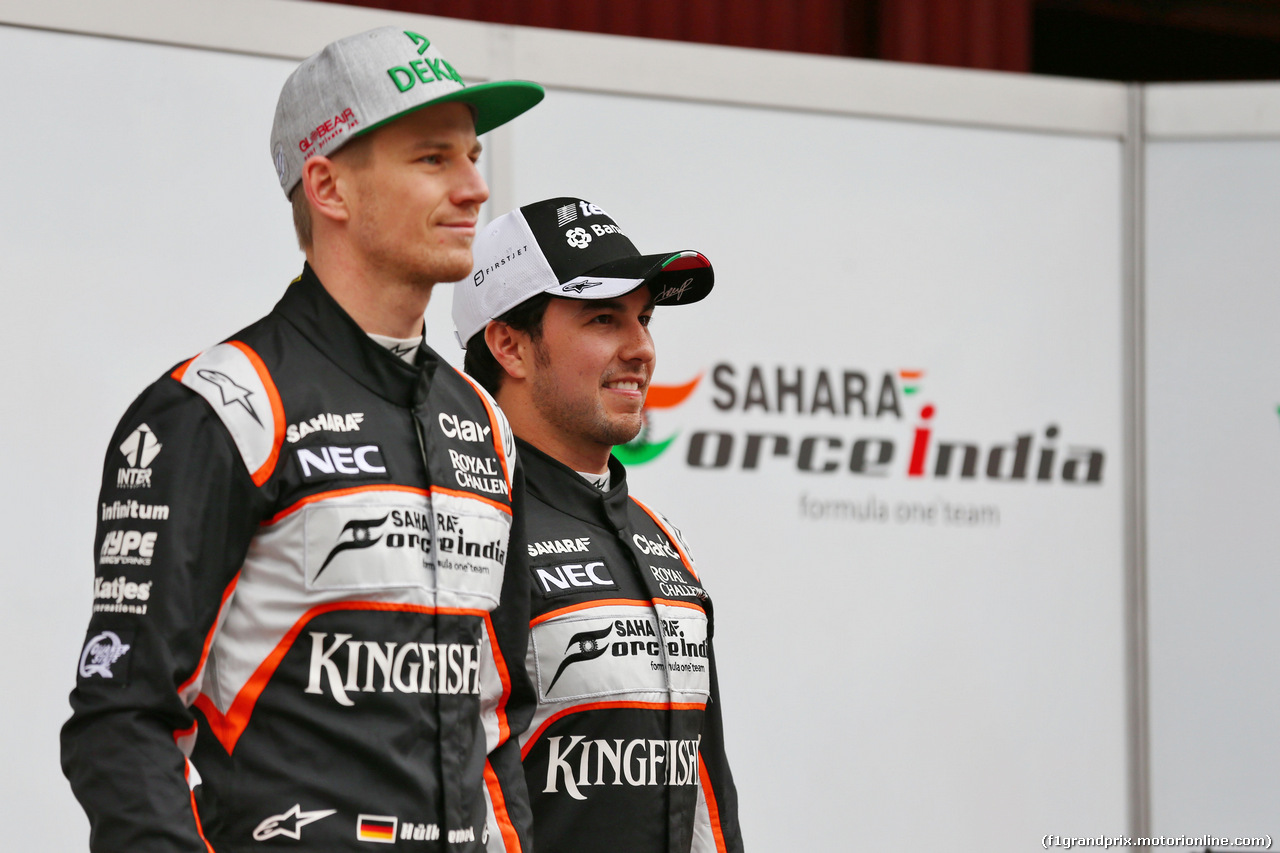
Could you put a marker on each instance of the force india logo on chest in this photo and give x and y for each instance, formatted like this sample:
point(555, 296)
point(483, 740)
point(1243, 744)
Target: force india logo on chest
point(346, 665)
point(636, 638)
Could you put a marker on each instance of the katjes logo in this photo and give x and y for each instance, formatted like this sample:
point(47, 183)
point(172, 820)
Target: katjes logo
point(640, 449)
point(837, 396)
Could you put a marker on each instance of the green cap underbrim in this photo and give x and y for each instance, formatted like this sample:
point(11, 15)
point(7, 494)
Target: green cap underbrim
point(495, 103)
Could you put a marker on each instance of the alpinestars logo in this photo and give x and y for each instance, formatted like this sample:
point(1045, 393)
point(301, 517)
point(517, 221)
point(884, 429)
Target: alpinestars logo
point(579, 286)
point(578, 238)
point(589, 648)
point(289, 824)
point(641, 449)
point(139, 449)
point(231, 392)
point(357, 533)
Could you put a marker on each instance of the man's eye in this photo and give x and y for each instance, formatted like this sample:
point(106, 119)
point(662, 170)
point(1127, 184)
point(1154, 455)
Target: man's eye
point(433, 159)
point(646, 319)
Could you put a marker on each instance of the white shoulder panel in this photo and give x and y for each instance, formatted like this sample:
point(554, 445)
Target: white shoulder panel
point(244, 398)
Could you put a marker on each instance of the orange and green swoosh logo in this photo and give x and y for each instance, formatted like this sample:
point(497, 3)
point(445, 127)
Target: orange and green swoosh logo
point(640, 450)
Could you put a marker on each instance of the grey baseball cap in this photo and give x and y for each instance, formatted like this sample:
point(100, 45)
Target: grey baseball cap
point(362, 82)
point(571, 248)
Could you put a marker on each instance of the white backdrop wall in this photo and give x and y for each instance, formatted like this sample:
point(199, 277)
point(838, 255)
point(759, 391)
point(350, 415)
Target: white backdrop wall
point(1213, 449)
point(908, 661)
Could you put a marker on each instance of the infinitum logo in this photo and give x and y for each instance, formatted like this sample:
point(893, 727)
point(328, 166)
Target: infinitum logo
point(640, 449)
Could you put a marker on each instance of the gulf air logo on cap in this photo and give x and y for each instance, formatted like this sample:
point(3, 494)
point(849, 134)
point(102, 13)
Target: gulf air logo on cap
point(640, 449)
point(426, 70)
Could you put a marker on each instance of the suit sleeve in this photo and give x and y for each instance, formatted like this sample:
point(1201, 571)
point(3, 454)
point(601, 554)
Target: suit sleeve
point(716, 828)
point(510, 818)
point(177, 511)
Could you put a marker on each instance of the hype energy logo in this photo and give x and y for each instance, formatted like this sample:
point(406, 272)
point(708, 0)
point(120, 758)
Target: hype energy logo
point(640, 449)
point(852, 422)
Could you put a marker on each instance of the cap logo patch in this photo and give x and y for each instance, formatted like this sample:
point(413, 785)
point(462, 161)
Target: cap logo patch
point(578, 238)
point(565, 215)
point(326, 132)
point(282, 165)
point(579, 286)
point(674, 294)
point(420, 40)
point(427, 70)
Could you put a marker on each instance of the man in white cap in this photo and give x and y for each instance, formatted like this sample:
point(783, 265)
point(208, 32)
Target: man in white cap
point(626, 750)
point(307, 530)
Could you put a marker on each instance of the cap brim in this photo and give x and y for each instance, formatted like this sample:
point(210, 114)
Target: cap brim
point(676, 278)
point(495, 103)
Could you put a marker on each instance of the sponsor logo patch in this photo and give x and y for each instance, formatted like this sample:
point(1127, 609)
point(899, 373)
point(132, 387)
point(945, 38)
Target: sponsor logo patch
point(321, 463)
point(566, 214)
point(578, 238)
point(572, 578)
point(127, 547)
point(578, 763)
point(132, 509)
point(140, 449)
point(368, 547)
point(462, 429)
point(232, 394)
point(102, 654)
point(289, 824)
point(597, 656)
point(477, 473)
point(560, 546)
point(118, 595)
point(324, 422)
point(344, 665)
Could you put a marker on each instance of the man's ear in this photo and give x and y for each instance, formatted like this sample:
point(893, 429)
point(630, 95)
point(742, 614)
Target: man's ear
point(512, 349)
point(320, 181)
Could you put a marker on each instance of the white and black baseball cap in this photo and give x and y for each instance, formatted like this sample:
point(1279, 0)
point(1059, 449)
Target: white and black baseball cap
point(362, 82)
point(571, 248)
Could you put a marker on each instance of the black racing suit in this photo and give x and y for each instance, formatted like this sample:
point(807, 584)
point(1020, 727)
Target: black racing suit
point(296, 640)
point(626, 750)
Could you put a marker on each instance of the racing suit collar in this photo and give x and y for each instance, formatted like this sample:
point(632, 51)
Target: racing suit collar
point(558, 485)
point(309, 307)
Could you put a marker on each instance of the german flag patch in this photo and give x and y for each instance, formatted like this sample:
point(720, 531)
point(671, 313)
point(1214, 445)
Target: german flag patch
point(376, 827)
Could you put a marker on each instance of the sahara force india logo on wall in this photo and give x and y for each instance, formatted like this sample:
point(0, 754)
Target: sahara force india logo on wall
point(895, 437)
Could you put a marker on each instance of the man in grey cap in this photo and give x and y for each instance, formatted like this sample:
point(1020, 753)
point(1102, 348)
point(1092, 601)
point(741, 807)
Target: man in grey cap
point(311, 598)
point(626, 750)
